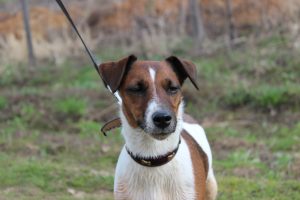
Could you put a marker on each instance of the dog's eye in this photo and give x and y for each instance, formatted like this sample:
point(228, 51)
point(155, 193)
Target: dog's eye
point(172, 89)
point(138, 89)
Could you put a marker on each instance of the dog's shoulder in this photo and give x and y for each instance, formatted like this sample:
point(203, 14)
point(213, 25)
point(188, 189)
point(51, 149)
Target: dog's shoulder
point(189, 119)
point(198, 155)
point(193, 134)
point(192, 129)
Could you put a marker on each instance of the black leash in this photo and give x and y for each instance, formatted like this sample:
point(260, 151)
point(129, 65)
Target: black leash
point(61, 5)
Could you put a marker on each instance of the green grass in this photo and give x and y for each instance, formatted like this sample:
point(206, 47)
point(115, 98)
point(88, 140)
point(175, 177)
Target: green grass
point(240, 188)
point(88, 127)
point(50, 176)
point(71, 106)
point(240, 158)
point(265, 96)
point(50, 119)
point(28, 112)
point(287, 139)
point(3, 102)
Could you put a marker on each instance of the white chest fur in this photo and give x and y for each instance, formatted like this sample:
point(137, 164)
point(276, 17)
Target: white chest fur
point(172, 181)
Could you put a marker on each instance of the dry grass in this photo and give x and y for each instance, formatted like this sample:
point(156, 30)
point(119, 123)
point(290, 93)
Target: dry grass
point(145, 27)
point(61, 46)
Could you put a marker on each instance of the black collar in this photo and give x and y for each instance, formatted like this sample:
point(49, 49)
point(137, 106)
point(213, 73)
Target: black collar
point(154, 161)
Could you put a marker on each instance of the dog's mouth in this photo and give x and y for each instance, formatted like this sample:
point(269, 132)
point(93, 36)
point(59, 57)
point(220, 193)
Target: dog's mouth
point(157, 133)
point(160, 136)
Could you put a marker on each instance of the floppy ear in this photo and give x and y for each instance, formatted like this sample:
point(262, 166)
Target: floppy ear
point(184, 69)
point(112, 73)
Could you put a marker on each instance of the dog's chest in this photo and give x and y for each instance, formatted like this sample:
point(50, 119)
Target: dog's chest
point(172, 181)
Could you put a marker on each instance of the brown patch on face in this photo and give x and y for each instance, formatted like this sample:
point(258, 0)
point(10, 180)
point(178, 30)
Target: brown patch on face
point(137, 90)
point(166, 77)
point(200, 165)
point(134, 104)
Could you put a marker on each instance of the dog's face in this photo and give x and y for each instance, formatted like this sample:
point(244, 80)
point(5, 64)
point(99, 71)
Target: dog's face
point(151, 96)
point(150, 91)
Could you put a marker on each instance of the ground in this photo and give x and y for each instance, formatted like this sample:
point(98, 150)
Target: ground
point(248, 103)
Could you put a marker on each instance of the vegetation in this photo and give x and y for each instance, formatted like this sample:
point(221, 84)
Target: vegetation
point(248, 103)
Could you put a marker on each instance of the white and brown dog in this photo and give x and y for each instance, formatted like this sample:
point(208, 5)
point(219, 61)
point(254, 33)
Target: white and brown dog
point(166, 155)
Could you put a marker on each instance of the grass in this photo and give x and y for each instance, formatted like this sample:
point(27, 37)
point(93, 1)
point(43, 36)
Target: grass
point(3, 102)
point(71, 106)
point(287, 139)
point(239, 188)
point(50, 177)
point(265, 96)
point(248, 103)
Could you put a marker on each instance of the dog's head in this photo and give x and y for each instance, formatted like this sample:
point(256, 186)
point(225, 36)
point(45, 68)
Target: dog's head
point(150, 91)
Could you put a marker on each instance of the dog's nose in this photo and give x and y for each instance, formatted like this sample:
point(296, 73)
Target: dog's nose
point(161, 119)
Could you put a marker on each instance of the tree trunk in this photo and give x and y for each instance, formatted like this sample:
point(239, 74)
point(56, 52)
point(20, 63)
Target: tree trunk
point(26, 18)
point(230, 23)
point(196, 27)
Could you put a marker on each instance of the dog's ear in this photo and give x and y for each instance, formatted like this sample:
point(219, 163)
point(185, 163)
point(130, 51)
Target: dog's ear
point(184, 69)
point(112, 73)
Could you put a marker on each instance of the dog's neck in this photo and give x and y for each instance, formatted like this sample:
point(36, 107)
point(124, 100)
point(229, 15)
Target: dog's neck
point(143, 145)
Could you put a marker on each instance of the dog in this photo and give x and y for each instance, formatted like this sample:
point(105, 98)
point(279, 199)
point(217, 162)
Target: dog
point(166, 155)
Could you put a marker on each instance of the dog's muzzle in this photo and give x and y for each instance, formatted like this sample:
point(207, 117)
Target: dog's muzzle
point(161, 119)
point(161, 124)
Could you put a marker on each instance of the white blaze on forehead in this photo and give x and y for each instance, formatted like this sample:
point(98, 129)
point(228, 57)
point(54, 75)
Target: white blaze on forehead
point(152, 73)
point(153, 105)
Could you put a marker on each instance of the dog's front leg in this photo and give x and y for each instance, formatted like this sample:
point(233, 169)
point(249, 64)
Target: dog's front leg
point(120, 192)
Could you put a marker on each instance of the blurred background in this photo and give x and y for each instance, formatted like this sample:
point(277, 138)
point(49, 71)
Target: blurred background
point(52, 102)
